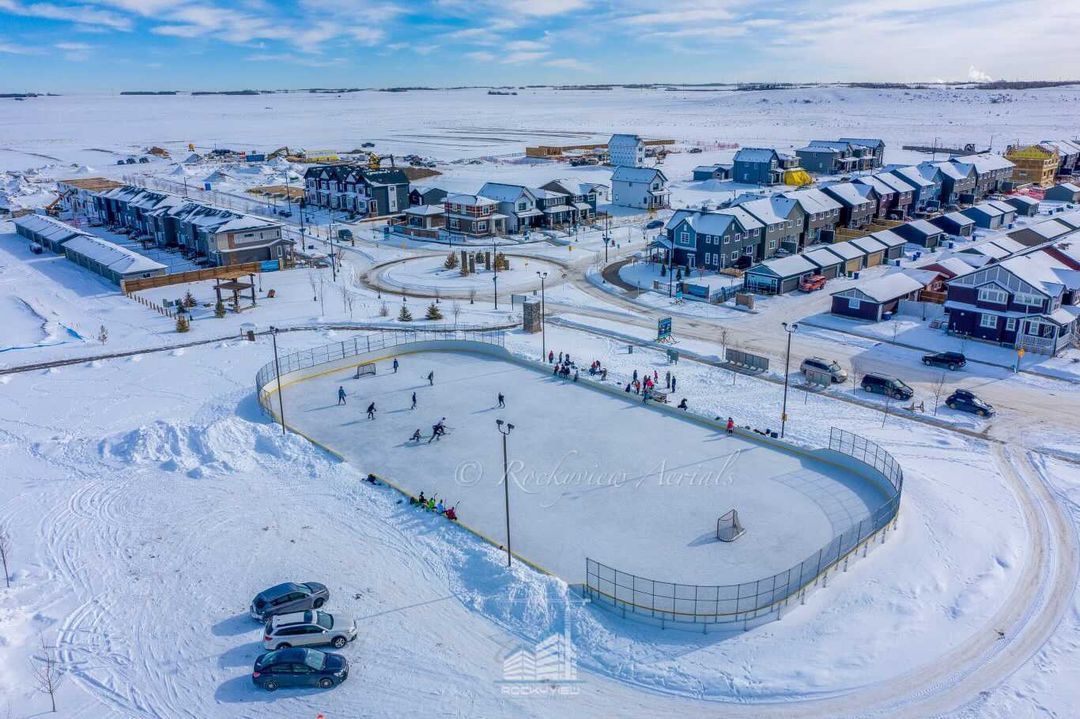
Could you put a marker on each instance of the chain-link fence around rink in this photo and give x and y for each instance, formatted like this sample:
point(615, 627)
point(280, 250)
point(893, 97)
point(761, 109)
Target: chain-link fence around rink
point(751, 603)
point(375, 340)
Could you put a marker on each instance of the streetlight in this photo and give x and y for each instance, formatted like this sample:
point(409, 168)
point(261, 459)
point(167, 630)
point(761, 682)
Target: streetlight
point(543, 317)
point(790, 329)
point(670, 258)
point(506, 484)
point(277, 371)
point(495, 279)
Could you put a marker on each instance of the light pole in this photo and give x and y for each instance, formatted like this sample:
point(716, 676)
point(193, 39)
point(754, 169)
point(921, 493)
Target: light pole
point(495, 279)
point(330, 239)
point(277, 371)
point(506, 484)
point(790, 329)
point(543, 318)
point(670, 257)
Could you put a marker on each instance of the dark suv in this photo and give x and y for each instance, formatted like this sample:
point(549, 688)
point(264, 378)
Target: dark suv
point(964, 401)
point(952, 360)
point(299, 667)
point(888, 386)
point(288, 597)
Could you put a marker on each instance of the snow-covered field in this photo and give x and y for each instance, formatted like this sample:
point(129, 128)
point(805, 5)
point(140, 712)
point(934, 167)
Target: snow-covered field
point(147, 498)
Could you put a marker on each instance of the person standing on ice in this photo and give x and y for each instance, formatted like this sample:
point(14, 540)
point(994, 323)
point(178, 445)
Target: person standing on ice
point(551, 356)
point(341, 396)
point(415, 436)
point(730, 426)
point(413, 401)
point(371, 411)
point(395, 365)
point(672, 383)
point(431, 378)
point(667, 380)
point(502, 400)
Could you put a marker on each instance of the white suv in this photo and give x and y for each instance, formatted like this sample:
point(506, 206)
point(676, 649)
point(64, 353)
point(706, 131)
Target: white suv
point(824, 366)
point(309, 628)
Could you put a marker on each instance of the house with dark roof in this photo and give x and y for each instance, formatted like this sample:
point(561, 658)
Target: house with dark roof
point(835, 157)
point(421, 195)
point(958, 181)
point(1040, 233)
point(642, 187)
point(876, 147)
point(711, 172)
point(357, 189)
point(783, 220)
point(762, 166)
point(583, 196)
point(821, 213)
point(992, 172)
point(778, 275)
point(922, 233)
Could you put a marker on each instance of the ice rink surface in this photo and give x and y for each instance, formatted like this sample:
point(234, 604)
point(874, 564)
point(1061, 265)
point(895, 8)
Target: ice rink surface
point(590, 474)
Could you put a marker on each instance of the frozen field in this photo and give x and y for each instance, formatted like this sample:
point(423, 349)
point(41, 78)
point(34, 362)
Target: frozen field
point(590, 474)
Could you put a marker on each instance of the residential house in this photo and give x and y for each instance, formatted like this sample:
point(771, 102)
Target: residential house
point(1065, 192)
point(77, 195)
point(713, 240)
point(955, 224)
point(763, 166)
point(712, 172)
point(873, 250)
point(1026, 301)
point(837, 157)
point(1034, 164)
point(925, 184)
point(876, 147)
point(425, 219)
point(473, 215)
point(854, 258)
point(640, 187)
point(922, 233)
point(778, 275)
point(583, 196)
point(1069, 152)
point(626, 151)
point(357, 189)
point(1025, 206)
point(423, 195)
point(992, 172)
point(557, 208)
point(958, 180)
point(783, 219)
point(875, 298)
point(858, 203)
point(894, 243)
point(821, 214)
point(905, 194)
point(517, 202)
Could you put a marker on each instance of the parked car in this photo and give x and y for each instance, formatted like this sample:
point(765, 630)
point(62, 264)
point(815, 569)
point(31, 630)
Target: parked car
point(652, 225)
point(965, 401)
point(888, 386)
point(299, 667)
point(744, 262)
point(952, 360)
point(813, 283)
point(695, 150)
point(310, 628)
point(288, 597)
point(36, 248)
point(368, 144)
point(817, 364)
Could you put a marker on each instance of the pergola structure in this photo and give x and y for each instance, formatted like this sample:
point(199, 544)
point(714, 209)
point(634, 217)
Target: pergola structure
point(236, 286)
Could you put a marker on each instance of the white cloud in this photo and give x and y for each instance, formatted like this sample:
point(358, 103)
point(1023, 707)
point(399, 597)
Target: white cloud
point(569, 63)
point(480, 56)
point(977, 75)
point(10, 49)
point(69, 13)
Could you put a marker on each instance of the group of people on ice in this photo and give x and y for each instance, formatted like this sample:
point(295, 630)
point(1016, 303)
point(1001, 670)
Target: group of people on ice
point(430, 504)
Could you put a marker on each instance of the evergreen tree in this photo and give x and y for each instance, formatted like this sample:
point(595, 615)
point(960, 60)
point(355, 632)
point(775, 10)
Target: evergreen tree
point(404, 315)
point(433, 312)
point(451, 261)
point(189, 300)
point(219, 309)
point(183, 324)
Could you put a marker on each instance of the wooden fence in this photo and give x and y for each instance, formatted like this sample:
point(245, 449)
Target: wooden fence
point(227, 272)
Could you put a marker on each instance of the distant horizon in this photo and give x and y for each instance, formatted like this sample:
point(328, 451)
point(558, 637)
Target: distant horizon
point(67, 46)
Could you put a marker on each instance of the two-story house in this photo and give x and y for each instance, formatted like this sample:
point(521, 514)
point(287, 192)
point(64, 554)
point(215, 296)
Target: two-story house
point(876, 147)
point(1025, 301)
point(992, 172)
point(821, 213)
point(713, 240)
point(858, 203)
point(757, 166)
point(957, 182)
point(473, 215)
point(517, 203)
point(835, 157)
point(642, 187)
point(626, 150)
point(583, 196)
point(357, 189)
point(887, 196)
point(783, 218)
point(1034, 164)
point(925, 181)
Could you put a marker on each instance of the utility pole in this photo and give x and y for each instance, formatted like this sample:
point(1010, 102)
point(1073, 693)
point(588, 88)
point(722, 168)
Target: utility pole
point(277, 371)
point(506, 483)
point(790, 329)
point(543, 318)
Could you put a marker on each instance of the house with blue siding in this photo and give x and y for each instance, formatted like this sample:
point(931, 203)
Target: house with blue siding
point(783, 219)
point(762, 166)
point(992, 172)
point(836, 157)
point(713, 240)
point(821, 214)
point(876, 147)
point(711, 172)
point(955, 224)
point(957, 182)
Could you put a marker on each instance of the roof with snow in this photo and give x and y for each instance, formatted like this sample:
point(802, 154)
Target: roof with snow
point(986, 162)
point(119, 259)
point(504, 192)
point(952, 266)
point(871, 142)
point(770, 210)
point(846, 250)
point(868, 244)
point(885, 289)
point(821, 257)
point(847, 194)
point(756, 154)
point(889, 238)
point(790, 266)
point(814, 200)
point(637, 174)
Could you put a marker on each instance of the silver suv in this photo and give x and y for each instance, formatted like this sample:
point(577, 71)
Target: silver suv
point(288, 597)
point(310, 628)
point(824, 366)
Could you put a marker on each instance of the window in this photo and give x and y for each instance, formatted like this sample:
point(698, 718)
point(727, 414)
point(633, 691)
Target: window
point(772, 244)
point(854, 303)
point(993, 294)
point(481, 226)
point(1010, 324)
point(989, 322)
point(735, 255)
point(1028, 299)
point(738, 236)
point(684, 237)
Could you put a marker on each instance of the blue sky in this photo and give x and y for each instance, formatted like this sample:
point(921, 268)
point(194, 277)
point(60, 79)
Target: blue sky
point(111, 45)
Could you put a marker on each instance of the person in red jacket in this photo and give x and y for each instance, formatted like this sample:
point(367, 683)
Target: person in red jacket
point(730, 426)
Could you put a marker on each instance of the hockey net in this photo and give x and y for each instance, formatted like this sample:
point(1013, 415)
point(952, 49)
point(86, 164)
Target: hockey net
point(728, 527)
point(365, 369)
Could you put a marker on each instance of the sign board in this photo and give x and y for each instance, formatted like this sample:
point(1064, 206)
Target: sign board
point(269, 266)
point(746, 360)
point(516, 299)
point(206, 186)
point(817, 377)
point(663, 329)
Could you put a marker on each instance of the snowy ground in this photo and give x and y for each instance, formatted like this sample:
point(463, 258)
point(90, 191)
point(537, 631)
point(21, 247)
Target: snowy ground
point(669, 478)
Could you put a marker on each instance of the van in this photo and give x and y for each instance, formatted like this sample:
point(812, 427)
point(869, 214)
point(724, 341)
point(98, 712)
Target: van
point(888, 386)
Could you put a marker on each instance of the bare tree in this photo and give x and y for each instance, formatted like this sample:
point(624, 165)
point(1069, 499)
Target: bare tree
point(455, 309)
point(47, 673)
point(854, 376)
point(723, 341)
point(313, 280)
point(384, 309)
point(939, 389)
point(103, 335)
point(322, 294)
point(472, 296)
point(5, 552)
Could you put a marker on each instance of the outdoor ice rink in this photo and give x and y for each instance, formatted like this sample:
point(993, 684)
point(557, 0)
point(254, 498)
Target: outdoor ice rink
point(591, 475)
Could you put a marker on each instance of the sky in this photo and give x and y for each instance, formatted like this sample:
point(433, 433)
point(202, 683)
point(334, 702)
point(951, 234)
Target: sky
point(113, 45)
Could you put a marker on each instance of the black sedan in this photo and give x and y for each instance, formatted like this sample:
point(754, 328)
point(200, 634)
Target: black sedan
point(654, 224)
point(952, 360)
point(299, 667)
point(964, 401)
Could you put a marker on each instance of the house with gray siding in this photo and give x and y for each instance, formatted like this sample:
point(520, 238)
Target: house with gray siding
point(858, 203)
point(713, 240)
point(642, 187)
point(783, 219)
point(876, 147)
point(992, 172)
point(836, 157)
point(762, 166)
point(957, 183)
point(872, 299)
point(821, 214)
